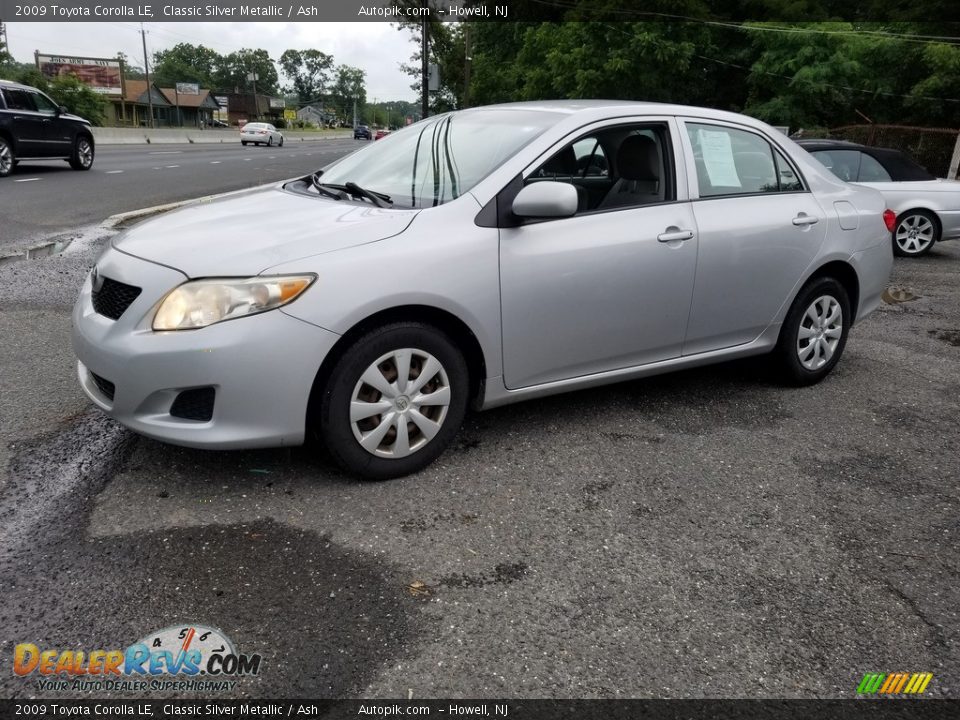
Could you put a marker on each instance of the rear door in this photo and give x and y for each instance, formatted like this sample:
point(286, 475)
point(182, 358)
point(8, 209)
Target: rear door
point(26, 121)
point(759, 230)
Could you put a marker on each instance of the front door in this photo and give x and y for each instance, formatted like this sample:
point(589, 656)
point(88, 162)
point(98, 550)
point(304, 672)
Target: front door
point(610, 287)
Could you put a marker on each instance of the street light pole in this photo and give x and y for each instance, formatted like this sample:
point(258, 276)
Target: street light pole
point(146, 72)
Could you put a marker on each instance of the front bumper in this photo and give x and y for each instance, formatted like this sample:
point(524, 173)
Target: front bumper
point(261, 367)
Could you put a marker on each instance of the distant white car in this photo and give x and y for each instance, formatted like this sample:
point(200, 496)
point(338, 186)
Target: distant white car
point(261, 133)
point(927, 207)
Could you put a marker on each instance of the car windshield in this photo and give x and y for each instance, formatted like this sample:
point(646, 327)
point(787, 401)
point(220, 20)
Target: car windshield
point(438, 159)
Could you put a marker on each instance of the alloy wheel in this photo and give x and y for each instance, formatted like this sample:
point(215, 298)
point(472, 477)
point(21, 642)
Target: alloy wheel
point(84, 153)
point(400, 403)
point(915, 234)
point(820, 331)
point(6, 159)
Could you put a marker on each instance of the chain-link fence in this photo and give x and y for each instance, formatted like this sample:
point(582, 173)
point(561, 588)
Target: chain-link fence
point(931, 147)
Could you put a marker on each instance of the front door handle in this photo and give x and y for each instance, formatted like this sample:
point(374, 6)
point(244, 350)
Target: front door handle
point(674, 233)
point(804, 219)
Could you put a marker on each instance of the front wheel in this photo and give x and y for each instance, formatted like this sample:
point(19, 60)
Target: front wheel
point(915, 234)
point(270, 142)
point(243, 142)
point(281, 142)
point(394, 401)
point(8, 160)
point(814, 332)
point(82, 156)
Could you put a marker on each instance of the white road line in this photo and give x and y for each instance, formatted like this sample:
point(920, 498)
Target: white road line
point(26, 180)
point(272, 157)
point(247, 159)
point(113, 172)
point(215, 162)
point(166, 152)
point(172, 166)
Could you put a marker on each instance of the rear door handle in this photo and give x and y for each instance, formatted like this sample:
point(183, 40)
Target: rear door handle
point(804, 219)
point(673, 233)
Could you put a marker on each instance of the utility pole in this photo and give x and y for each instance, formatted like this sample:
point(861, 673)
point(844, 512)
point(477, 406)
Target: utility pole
point(354, 113)
point(146, 72)
point(424, 66)
point(3, 36)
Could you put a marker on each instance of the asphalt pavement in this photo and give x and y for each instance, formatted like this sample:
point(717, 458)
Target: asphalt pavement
point(703, 534)
point(45, 198)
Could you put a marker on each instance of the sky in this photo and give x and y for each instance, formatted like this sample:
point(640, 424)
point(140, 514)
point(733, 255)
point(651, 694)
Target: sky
point(376, 47)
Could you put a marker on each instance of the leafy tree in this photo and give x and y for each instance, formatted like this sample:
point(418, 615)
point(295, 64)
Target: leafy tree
point(186, 63)
point(78, 98)
point(348, 86)
point(231, 75)
point(310, 72)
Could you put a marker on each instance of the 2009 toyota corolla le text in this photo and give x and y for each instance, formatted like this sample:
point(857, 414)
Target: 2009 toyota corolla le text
point(479, 257)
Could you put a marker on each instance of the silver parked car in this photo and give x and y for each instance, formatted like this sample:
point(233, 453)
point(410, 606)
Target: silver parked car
point(475, 259)
point(261, 133)
point(927, 207)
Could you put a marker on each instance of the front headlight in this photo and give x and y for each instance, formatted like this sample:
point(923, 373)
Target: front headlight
point(199, 303)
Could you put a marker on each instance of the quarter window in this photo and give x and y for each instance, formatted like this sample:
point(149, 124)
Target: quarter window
point(737, 162)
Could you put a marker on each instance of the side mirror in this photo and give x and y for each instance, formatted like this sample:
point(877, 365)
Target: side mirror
point(546, 199)
point(62, 110)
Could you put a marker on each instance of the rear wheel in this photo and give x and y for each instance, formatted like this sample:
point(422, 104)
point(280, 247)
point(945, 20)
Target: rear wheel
point(243, 142)
point(915, 234)
point(281, 141)
point(8, 160)
point(394, 401)
point(82, 156)
point(814, 332)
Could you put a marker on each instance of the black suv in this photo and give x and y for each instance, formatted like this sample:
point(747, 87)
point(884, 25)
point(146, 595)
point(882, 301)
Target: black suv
point(32, 126)
point(362, 131)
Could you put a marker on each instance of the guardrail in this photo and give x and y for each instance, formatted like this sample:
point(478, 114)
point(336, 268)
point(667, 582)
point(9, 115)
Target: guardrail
point(143, 136)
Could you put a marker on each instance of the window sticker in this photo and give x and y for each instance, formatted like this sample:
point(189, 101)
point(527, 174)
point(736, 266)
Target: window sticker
point(718, 158)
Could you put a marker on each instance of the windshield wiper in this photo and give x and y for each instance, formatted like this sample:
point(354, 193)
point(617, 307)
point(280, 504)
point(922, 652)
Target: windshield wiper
point(377, 198)
point(315, 179)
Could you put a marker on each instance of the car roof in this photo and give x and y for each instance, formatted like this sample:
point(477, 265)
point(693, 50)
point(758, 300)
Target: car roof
point(16, 85)
point(899, 164)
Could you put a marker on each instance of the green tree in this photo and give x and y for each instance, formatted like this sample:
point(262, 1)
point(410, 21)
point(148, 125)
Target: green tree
point(310, 72)
point(349, 85)
point(185, 63)
point(232, 72)
point(78, 98)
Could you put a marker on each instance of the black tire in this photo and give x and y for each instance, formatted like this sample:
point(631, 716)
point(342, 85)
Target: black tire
point(8, 160)
point(787, 354)
point(81, 157)
point(270, 141)
point(926, 228)
point(336, 428)
point(280, 144)
point(243, 142)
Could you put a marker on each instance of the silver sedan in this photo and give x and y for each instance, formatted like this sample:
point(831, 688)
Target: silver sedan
point(475, 259)
point(261, 134)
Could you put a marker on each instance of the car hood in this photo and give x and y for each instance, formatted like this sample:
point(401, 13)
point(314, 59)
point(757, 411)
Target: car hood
point(249, 233)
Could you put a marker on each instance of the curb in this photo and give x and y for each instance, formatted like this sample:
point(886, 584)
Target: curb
point(120, 219)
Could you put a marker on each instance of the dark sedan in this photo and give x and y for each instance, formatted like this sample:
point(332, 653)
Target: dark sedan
point(362, 132)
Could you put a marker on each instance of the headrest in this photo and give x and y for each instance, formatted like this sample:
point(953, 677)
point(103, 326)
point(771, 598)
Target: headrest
point(638, 159)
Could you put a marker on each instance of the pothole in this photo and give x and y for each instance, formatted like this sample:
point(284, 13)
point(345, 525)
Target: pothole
point(894, 295)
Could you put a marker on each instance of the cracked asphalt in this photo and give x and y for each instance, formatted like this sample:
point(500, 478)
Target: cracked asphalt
point(703, 534)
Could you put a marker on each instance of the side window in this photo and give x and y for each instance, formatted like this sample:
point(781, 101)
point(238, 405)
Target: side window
point(618, 167)
point(845, 164)
point(871, 170)
point(20, 100)
point(44, 104)
point(735, 162)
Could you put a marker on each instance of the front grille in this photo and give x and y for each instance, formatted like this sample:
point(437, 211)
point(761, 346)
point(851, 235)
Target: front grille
point(196, 404)
point(104, 386)
point(113, 298)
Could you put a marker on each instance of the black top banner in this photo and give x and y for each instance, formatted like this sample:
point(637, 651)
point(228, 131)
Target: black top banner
point(717, 11)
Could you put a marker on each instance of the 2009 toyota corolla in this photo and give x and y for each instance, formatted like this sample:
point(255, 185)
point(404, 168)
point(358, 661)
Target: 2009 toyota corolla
point(478, 258)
